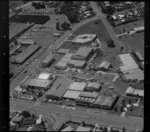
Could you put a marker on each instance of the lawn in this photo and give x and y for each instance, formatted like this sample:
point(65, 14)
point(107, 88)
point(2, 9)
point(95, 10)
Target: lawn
point(92, 28)
point(135, 42)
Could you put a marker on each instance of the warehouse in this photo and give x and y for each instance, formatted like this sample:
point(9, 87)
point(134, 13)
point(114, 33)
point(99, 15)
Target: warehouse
point(71, 94)
point(83, 101)
point(26, 42)
point(105, 66)
point(139, 29)
point(49, 60)
point(63, 51)
point(89, 94)
point(105, 101)
point(40, 83)
point(93, 86)
point(82, 53)
point(84, 39)
point(27, 53)
point(59, 89)
point(83, 129)
point(44, 75)
point(61, 65)
point(79, 86)
point(128, 63)
point(77, 64)
point(134, 76)
point(138, 56)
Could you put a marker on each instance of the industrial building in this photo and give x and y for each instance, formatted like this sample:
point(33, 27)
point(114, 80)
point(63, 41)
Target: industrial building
point(44, 75)
point(77, 64)
point(79, 86)
point(128, 63)
point(134, 92)
point(26, 42)
point(83, 129)
point(40, 83)
point(84, 39)
point(105, 66)
point(58, 89)
point(82, 53)
point(105, 101)
point(138, 56)
point(27, 53)
point(49, 60)
point(71, 94)
point(83, 101)
point(134, 76)
point(93, 86)
point(89, 94)
point(61, 65)
point(139, 29)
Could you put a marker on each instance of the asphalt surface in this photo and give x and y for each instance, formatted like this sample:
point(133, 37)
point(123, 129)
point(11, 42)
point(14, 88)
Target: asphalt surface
point(64, 113)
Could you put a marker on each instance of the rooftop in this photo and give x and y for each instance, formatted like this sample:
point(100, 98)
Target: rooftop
point(88, 94)
point(105, 64)
point(49, 58)
point(79, 86)
point(44, 75)
point(85, 129)
point(72, 94)
point(94, 85)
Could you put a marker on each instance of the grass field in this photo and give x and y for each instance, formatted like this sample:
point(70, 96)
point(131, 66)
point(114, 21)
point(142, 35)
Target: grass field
point(135, 42)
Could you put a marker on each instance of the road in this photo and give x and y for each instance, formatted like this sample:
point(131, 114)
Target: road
point(78, 114)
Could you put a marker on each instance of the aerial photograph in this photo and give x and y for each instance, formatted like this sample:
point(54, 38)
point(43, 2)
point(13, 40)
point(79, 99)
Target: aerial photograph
point(76, 66)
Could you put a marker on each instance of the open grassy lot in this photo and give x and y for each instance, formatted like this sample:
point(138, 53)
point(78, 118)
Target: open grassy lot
point(127, 27)
point(93, 28)
point(135, 42)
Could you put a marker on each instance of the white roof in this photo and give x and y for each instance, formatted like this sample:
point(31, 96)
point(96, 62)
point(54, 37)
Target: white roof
point(105, 64)
point(128, 62)
point(84, 38)
point(94, 85)
point(72, 94)
point(139, 92)
point(79, 86)
point(130, 90)
point(44, 75)
point(139, 28)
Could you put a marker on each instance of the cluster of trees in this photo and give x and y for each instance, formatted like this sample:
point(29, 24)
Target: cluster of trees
point(39, 5)
point(110, 43)
point(63, 26)
point(70, 10)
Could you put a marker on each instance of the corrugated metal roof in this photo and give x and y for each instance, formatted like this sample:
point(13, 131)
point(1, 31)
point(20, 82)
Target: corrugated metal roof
point(88, 94)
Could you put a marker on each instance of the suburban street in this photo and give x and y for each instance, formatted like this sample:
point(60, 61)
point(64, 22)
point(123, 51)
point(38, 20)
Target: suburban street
point(72, 114)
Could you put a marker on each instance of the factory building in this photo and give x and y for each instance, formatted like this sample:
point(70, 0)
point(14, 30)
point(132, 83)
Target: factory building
point(40, 83)
point(105, 101)
point(82, 53)
point(84, 39)
point(139, 57)
point(59, 89)
point(77, 64)
point(44, 75)
point(128, 63)
point(71, 94)
point(83, 101)
point(105, 66)
point(93, 86)
point(134, 92)
point(27, 53)
point(78, 86)
point(49, 60)
point(89, 94)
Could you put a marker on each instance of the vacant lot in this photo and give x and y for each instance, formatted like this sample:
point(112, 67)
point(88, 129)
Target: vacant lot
point(135, 42)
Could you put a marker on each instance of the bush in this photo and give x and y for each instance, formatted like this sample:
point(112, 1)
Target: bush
point(65, 26)
point(110, 43)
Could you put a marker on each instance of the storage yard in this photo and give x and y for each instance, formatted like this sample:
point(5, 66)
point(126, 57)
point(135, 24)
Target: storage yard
point(86, 69)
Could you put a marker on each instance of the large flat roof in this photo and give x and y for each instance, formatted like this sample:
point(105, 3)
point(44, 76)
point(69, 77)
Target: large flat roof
point(128, 62)
point(72, 94)
point(79, 86)
point(44, 75)
point(42, 83)
point(59, 88)
point(82, 52)
point(20, 58)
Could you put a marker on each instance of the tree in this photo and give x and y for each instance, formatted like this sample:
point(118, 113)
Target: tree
point(58, 26)
point(83, 123)
point(65, 26)
point(121, 49)
point(110, 43)
point(25, 113)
